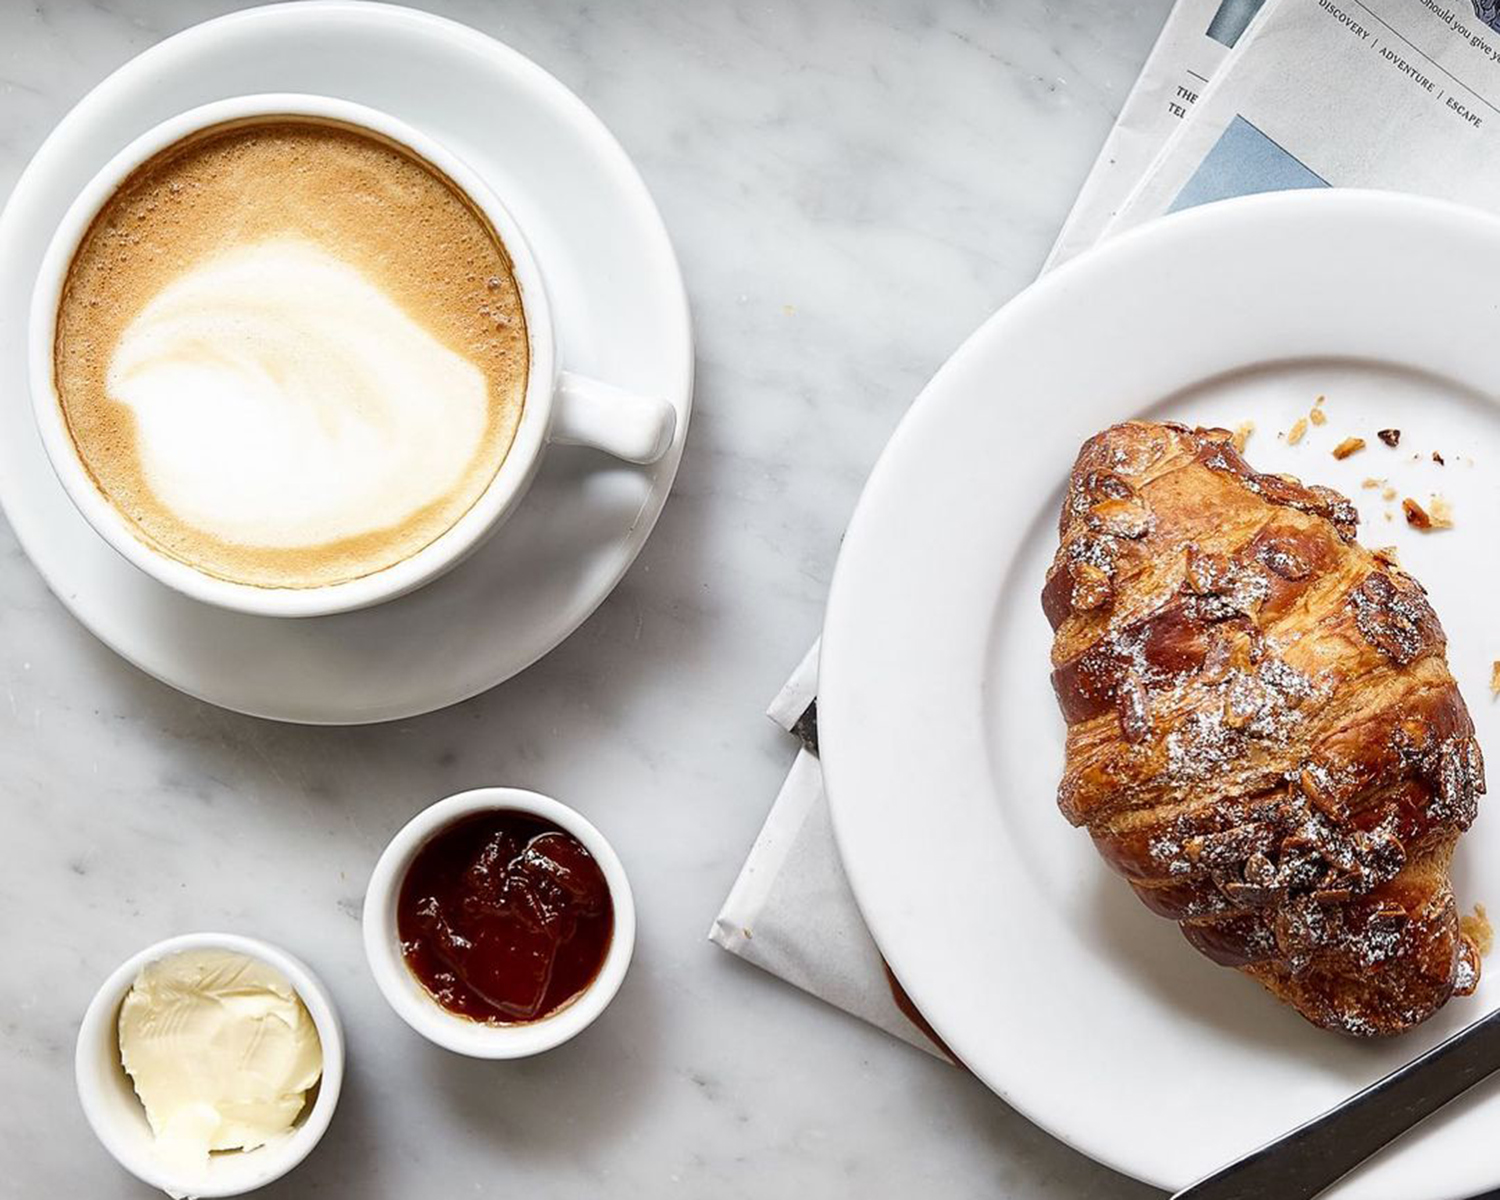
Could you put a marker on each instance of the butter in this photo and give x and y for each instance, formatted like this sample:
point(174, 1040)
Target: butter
point(221, 1050)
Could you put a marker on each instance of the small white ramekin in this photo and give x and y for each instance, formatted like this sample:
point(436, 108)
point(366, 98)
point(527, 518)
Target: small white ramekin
point(119, 1119)
point(412, 1002)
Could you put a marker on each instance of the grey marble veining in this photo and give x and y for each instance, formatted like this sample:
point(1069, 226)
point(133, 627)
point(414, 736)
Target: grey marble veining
point(851, 187)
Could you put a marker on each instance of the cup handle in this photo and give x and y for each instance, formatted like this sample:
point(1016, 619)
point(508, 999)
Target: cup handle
point(587, 412)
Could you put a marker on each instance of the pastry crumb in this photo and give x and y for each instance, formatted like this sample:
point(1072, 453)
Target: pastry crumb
point(1388, 494)
point(1296, 433)
point(1438, 458)
point(1437, 515)
point(1495, 678)
point(1318, 417)
point(1391, 437)
point(1350, 445)
point(1416, 515)
point(1477, 928)
point(1372, 483)
point(1241, 435)
point(1387, 555)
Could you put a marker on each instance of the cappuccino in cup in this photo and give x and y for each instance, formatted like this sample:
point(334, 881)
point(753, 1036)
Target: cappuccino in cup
point(290, 352)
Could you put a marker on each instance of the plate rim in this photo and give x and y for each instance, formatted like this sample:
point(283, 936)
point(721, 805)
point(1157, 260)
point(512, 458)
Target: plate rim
point(884, 477)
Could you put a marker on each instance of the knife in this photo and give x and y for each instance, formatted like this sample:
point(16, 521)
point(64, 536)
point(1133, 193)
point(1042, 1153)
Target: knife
point(1316, 1155)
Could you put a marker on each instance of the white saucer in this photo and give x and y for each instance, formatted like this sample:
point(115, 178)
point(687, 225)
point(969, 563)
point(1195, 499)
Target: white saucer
point(941, 741)
point(621, 316)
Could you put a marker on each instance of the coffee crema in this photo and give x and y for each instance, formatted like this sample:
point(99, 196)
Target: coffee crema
point(290, 353)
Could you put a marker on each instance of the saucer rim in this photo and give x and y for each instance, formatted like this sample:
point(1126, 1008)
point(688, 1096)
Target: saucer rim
point(643, 218)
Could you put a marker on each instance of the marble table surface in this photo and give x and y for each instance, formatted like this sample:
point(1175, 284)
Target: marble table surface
point(852, 186)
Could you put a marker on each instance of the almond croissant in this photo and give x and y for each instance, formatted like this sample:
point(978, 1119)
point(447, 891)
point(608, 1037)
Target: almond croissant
point(1263, 734)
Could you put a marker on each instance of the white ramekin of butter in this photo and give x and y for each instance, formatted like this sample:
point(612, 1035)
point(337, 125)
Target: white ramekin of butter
point(210, 1064)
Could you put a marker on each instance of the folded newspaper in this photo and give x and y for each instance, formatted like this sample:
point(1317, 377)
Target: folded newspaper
point(1238, 96)
point(1400, 95)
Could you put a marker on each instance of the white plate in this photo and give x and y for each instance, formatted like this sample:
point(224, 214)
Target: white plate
point(621, 315)
point(941, 739)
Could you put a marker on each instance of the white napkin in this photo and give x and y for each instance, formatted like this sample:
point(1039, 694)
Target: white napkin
point(791, 910)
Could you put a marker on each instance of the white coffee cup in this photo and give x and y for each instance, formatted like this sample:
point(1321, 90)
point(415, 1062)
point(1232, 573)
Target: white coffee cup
point(560, 406)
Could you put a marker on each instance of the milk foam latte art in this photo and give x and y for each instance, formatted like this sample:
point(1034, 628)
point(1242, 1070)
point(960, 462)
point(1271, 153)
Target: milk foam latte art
point(290, 352)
